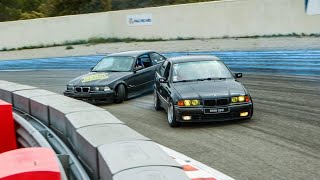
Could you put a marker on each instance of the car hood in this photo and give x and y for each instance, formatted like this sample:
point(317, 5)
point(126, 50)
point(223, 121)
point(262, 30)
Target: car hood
point(98, 78)
point(209, 89)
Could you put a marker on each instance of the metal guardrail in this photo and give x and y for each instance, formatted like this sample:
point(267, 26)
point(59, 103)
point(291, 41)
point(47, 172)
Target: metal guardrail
point(33, 133)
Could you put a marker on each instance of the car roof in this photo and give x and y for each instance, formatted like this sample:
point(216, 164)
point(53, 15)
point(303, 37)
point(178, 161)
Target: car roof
point(131, 53)
point(193, 58)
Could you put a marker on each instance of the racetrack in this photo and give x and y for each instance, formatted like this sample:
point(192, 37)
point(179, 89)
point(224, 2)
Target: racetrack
point(282, 141)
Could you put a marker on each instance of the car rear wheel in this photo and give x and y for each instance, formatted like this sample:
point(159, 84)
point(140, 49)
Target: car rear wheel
point(156, 100)
point(172, 116)
point(120, 94)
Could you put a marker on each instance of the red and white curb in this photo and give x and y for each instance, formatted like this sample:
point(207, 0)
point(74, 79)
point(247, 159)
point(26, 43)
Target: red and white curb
point(195, 169)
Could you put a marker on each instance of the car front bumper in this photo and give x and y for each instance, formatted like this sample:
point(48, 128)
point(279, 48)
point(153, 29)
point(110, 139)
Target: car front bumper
point(198, 113)
point(92, 97)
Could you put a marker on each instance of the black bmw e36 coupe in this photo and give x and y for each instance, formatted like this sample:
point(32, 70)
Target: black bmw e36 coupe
point(117, 77)
point(200, 89)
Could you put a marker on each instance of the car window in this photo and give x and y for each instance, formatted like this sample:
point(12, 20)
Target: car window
point(167, 71)
point(156, 58)
point(162, 68)
point(114, 63)
point(199, 70)
point(144, 60)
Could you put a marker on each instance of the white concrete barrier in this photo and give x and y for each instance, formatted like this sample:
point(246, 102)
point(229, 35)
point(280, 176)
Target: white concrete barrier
point(53, 30)
point(232, 18)
point(95, 136)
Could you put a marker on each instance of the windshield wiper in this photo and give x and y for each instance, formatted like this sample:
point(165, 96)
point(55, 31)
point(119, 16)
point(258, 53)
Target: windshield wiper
point(113, 71)
point(201, 79)
point(204, 79)
point(184, 81)
point(208, 79)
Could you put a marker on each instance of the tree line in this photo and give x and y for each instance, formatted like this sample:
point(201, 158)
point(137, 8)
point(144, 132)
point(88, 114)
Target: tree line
point(11, 10)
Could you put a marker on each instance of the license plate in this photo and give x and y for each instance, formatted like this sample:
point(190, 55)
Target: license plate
point(216, 110)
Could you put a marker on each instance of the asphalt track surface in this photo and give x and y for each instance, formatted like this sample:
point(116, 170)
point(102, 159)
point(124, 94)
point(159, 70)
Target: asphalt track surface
point(281, 141)
point(291, 62)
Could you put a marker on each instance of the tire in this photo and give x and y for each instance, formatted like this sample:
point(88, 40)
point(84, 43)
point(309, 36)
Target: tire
point(120, 94)
point(172, 116)
point(156, 100)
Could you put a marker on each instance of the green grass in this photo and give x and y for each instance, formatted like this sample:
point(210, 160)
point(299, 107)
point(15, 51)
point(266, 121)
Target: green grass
point(100, 40)
point(69, 47)
point(276, 35)
point(31, 47)
point(90, 41)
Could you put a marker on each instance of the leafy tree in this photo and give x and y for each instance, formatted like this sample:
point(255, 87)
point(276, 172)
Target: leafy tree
point(31, 15)
point(19, 9)
point(68, 7)
point(28, 9)
point(8, 10)
point(29, 5)
point(128, 4)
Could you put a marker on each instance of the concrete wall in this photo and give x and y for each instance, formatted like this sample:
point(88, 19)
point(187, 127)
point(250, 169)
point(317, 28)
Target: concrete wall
point(201, 20)
point(223, 18)
point(53, 30)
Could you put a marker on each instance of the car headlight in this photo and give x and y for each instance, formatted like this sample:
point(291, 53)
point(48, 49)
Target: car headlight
point(70, 87)
point(101, 88)
point(96, 88)
point(240, 99)
point(106, 88)
point(187, 102)
point(195, 102)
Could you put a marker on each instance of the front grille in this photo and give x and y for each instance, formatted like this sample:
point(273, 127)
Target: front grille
point(215, 102)
point(222, 102)
point(82, 89)
point(209, 102)
point(85, 89)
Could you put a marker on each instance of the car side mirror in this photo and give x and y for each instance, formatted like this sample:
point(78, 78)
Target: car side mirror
point(238, 75)
point(162, 80)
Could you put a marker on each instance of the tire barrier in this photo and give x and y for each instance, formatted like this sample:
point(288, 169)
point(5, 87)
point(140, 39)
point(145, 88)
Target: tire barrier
point(28, 136)
point(29, 163)
point(106, 147)
point(8, 139)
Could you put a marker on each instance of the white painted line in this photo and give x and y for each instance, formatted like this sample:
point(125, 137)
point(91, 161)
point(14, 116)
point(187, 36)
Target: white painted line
point(198, 174)
point(206, 170)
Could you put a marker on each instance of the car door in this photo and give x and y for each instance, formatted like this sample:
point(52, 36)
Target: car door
point(163, 89)
point(142, 80)
point(156, 58)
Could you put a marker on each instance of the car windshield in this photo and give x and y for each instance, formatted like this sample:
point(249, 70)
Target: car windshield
point(199, 70)
point(114, 64)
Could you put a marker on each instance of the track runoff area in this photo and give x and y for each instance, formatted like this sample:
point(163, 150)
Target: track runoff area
point(303, 64)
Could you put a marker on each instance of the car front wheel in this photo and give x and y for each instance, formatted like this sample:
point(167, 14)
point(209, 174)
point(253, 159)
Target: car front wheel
point(172, 116)
point(120, 94)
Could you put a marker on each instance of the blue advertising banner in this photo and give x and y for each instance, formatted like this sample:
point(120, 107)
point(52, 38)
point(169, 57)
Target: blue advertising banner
point(312, 7)
point(139, 20)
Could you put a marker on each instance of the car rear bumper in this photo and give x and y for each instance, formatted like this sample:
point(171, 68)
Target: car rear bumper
point(92, 97)
point(198, 114)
